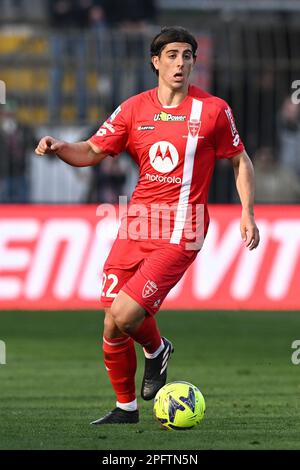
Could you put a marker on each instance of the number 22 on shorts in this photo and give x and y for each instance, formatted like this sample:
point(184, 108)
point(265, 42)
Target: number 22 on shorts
point(113, 283)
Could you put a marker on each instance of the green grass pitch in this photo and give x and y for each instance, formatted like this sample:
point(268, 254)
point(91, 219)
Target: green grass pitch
point(54, 383)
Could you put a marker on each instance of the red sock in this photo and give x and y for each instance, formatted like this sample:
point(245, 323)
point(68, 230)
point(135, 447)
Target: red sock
point(120, 362)
point(148, 335)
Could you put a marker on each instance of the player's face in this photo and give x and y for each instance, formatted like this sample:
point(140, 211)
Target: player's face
point(175, 64)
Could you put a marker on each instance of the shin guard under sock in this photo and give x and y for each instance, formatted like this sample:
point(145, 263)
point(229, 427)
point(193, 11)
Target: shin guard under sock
point(120, 362)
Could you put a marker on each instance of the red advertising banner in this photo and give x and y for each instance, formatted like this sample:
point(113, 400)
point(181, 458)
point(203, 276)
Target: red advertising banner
point(51, 257)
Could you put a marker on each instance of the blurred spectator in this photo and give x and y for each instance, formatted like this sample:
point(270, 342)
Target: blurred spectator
point(130, 13)
point(275, 183)
point(267, 106)
point(97, 17)
point(114, 177)
point(100, 50)
point(289, 135)
point(69, 45)
point(133, 18)
point(15, 142)
point(225, 192)
point(76, 14)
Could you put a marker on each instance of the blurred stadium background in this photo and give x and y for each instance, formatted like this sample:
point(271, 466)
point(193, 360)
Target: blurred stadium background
point(66, 65)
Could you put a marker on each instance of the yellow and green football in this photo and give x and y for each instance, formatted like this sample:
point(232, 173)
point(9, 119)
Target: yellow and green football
point(179, 406)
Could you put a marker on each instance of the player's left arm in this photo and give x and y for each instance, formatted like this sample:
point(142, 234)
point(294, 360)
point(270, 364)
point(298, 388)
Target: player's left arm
point(244, 178)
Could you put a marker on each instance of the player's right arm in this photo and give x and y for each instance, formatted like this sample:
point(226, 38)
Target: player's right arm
point(76, 154)
point(110, 139)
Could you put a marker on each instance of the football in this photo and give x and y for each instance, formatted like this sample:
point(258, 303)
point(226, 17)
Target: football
point(179, 405)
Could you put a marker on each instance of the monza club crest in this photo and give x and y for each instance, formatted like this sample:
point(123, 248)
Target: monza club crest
point(149, 289)
point(194, 127)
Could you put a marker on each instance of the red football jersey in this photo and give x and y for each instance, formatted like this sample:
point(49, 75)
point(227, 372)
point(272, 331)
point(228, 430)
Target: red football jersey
point(175, 149)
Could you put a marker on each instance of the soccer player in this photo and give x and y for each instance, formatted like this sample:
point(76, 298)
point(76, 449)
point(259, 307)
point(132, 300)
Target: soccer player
point(175, 133)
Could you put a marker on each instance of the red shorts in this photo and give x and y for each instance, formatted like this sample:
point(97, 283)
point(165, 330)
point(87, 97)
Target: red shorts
point(145, 270)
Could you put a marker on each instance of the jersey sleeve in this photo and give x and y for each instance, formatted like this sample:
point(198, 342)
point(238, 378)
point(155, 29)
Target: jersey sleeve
point(112, 136)
point(227, 140)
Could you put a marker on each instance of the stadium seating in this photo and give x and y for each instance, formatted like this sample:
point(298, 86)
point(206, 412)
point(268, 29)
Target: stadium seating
point(25, 62)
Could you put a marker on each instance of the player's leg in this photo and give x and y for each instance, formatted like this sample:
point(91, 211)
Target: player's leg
point(149, 286)
point(118, 347)
point(141, 326)
point(126, 315)
point(125, 322)
point(120, 363)
point(130, 316)
point(132, 319)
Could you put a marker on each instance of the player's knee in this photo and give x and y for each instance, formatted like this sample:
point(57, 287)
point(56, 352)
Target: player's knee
point(124, 319)
point(125, 327)
point(110, 328)
point(121, 320)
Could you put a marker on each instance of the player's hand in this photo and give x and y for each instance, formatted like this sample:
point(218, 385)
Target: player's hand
point(249, 231)
point(48, 146)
